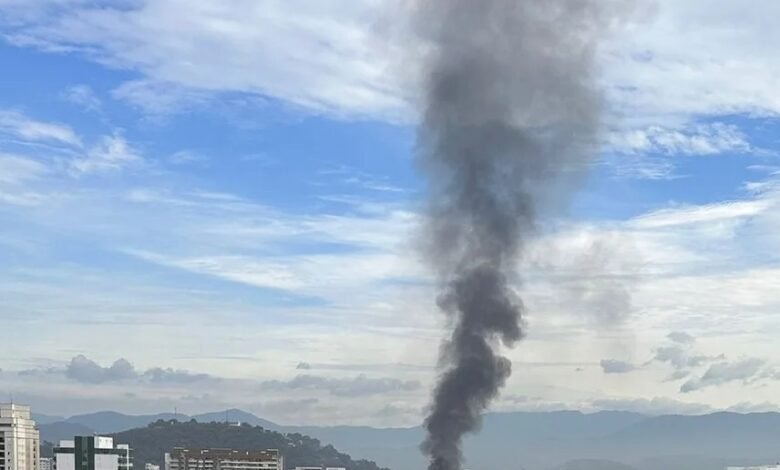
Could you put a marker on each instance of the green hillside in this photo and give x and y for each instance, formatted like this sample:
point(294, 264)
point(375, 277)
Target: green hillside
point(150, 443)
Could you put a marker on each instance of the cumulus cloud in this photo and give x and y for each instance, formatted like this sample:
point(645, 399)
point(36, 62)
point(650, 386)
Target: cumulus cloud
point(349, 387)
point(680, 355)
point(725, 372)
point(614, 366)
point(86, 370)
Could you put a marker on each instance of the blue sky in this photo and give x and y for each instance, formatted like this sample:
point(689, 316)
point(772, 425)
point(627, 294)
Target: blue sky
point(225, 197)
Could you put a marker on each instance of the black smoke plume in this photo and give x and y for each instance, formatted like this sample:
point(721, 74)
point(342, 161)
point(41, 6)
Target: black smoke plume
point(510, 122)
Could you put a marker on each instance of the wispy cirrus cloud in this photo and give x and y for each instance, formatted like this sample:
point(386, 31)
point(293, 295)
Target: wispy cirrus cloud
point(16, 169)
point(20, 126)
point(110, 153)
point(326, 40)
point(649, 77)
point(654, 152)
point(697, 139)
point(83, 96)
point(66, 153)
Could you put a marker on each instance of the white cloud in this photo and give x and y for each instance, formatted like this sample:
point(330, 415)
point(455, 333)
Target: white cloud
point(641, 167)
point(22, 198)
point(85, 370)
point(697, 58)
point(158, 98)
point(84, 96)
point(701, 214)
point(20, 126)
point(111, 153)
point(725, 372)
point(652, 152)
point(16, 169)
point(329, 276)
point(698, 139)
point(278, 49)
point(15, 173)
point(673, 64)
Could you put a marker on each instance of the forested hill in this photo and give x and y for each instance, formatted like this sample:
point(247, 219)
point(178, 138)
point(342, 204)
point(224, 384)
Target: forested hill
point(151, 442)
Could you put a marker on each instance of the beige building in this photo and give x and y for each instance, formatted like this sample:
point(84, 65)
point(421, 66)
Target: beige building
point(223, 459)
point(19, 440)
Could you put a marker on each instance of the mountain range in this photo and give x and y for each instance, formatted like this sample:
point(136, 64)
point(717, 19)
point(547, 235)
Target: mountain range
point(565, 440)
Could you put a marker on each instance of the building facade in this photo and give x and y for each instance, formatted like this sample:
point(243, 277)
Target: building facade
point(92, 453)
point(125, 458)
point(45, 463)
point(223, 459)
point(19, 440)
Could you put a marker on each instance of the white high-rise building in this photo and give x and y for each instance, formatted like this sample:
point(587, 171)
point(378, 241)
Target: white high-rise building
point(19, 440)
point(92, 453)
point(125, 459)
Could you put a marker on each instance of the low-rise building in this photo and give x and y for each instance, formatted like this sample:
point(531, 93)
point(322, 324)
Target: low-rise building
point(46, 463)
point(92, 453)
point(223, 459)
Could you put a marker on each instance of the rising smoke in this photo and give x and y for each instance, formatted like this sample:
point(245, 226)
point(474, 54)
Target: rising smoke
point(510, 123)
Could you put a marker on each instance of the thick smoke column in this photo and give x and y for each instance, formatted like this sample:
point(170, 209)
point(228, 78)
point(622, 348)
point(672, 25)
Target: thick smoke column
point(510, 121)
